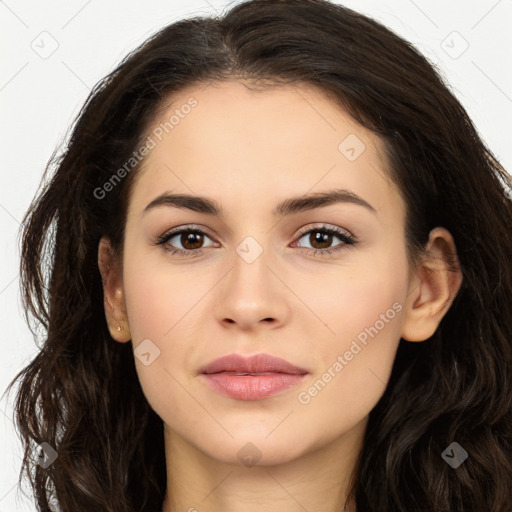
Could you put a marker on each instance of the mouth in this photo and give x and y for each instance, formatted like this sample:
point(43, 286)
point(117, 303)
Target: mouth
point(251, 378)
point(245, 373)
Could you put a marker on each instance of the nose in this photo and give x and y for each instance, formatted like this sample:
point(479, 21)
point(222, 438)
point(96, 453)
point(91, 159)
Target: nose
point(252, 295)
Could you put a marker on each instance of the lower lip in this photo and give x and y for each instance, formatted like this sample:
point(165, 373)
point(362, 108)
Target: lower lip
point(252, 387)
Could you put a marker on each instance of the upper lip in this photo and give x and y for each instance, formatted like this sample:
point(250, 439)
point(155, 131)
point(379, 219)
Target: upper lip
point(259, 363)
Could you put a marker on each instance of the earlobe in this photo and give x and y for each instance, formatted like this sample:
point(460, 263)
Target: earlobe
point(433, 289)
point(113, 294)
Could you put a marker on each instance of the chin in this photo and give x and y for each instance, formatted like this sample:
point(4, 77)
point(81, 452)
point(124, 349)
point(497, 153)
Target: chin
point(250, 451)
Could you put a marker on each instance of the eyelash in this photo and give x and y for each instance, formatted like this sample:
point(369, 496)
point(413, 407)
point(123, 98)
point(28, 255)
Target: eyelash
point(346, 238)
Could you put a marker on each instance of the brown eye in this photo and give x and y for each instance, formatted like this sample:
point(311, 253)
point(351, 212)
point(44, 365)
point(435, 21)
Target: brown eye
point(185, 241)
point(321, 239)
point(191, 239)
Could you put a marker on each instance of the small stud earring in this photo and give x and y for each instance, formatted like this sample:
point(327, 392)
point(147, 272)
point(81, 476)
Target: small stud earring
point(119, 328)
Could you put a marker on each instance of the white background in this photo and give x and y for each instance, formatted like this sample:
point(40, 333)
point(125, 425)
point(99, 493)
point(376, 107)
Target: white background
point(40, 95)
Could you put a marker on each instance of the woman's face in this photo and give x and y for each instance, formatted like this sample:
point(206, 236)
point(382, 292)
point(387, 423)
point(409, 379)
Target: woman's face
point(262, 281)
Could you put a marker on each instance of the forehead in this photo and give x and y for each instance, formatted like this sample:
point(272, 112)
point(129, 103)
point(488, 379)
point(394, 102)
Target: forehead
point(224, 139)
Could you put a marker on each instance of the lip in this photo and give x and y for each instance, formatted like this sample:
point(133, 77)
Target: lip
point(251, 378)
point(258, 363)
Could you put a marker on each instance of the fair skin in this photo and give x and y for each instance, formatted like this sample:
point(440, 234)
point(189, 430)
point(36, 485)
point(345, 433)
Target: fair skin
point(248, 151)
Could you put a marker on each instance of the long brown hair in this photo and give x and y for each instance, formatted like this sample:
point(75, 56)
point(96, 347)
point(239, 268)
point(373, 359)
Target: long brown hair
point(81, 394)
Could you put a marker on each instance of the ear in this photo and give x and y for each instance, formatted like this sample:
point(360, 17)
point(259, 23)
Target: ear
point(433, 287)
point(113, 293)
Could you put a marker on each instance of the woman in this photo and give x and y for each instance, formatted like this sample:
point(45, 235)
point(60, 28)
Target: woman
point(279, 280)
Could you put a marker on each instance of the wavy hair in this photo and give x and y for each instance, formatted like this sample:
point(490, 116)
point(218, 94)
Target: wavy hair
point(81, 394)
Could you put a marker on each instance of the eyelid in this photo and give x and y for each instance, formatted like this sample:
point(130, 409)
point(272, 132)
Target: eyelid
point(302, 230)
point(186, 227)
point(323, 225)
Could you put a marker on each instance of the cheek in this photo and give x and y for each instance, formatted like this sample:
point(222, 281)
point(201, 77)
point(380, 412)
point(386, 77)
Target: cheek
point(364, 310)
point(162, 306)
point(157, 302)
point(350, 302)
point(158, 297)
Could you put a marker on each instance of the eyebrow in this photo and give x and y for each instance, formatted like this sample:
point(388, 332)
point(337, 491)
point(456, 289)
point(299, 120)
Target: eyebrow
point(286, 207)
